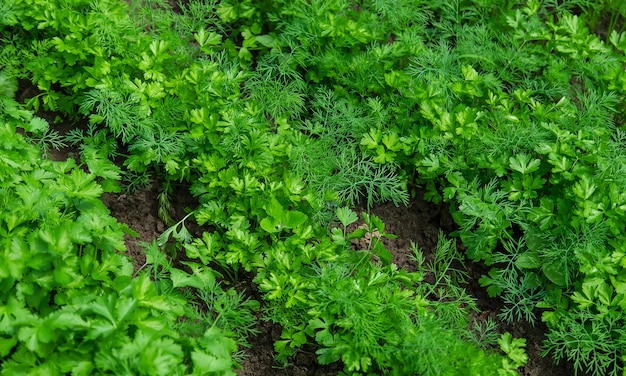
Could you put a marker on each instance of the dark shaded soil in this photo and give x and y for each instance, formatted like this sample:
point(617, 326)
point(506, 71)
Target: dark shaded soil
point(260, 357)
point(139, 212)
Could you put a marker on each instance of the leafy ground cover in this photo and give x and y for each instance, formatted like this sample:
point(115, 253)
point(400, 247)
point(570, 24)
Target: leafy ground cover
point(420, 222)
point(279, 125)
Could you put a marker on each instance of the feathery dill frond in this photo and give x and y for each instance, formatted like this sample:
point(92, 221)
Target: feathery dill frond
point(121, 113)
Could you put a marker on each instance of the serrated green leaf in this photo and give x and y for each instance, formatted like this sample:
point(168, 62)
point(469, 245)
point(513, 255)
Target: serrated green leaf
point(38, 126)
point(294, 219)
point(523, 163)
point(183, 279)
point(110, 186)
point(104, 306)
point(78, 234)
point(514, 348)
point(392, 141)
point(65, 320)
point(584, 188)
point(83, 368)
point(6, 345)
point(372, 139)
point(274, 209)
point(28, 336)
point(269, 224)
point(124, 308)
point(346, 216)
point(469, 73)
point(618, 39)
point(100, 328)
point(8, 86)
point(489, 281)
point(209, 364)
point(327, 356)
point(266, 40)
point(357, 234)
point(104, 168)
point(80, 185)
point(385, 255)
point(204, 273)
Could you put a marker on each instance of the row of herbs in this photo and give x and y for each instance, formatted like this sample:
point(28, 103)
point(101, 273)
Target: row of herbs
point(279, 116)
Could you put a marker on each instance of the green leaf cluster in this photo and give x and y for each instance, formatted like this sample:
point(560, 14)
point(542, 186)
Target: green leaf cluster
point(71, 302)
point(524, 154)
point(376, 318)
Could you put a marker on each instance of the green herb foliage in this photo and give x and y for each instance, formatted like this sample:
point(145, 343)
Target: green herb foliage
point(278, 114)
point(71, 302)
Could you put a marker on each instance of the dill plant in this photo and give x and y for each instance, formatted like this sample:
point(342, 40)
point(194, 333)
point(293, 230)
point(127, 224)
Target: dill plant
point(120, 112)
point(330, 162)
point(445, 270)
point(373, 316)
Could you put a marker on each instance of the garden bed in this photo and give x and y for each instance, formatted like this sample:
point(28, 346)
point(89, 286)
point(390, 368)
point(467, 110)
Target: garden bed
point(406, 187)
